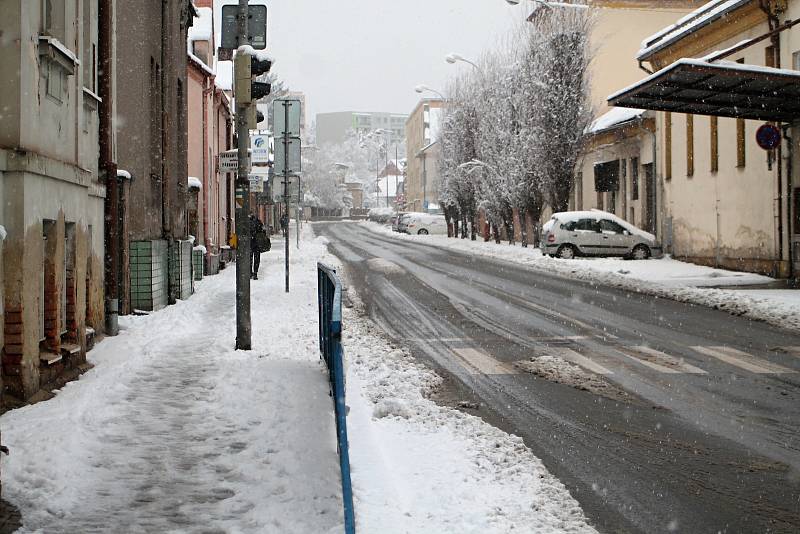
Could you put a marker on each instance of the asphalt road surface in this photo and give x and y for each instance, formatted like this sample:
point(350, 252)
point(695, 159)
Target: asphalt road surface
point(667, 417)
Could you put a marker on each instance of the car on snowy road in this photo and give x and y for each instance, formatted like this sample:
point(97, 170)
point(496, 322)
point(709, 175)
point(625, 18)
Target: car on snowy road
point(596, 233)
point(425, 223)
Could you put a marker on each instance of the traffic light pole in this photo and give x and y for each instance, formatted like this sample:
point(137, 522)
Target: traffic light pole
point(243, 255)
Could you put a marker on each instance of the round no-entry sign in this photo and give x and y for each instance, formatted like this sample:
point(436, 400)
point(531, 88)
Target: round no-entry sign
point(768, 137)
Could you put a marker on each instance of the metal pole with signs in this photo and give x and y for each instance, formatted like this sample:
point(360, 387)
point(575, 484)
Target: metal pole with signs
point(288, 164)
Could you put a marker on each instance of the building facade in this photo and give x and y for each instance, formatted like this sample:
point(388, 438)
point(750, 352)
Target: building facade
point(333, 128)
point(209, 130)
point(422, 169)
point(618, 28)
point(51, 193)
point(152, 146)
point(726, 201)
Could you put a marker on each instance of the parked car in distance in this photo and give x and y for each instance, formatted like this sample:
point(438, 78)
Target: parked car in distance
point(402, 222)
point(425, 223)
point(380, 215)
point(596, 233)
point(396, 221)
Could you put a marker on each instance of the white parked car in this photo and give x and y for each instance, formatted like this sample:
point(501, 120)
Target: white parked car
point(596, 233)
point(424, 224)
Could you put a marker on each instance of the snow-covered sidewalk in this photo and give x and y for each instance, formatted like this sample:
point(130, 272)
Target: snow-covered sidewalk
point(173, 431)
point(665, 277)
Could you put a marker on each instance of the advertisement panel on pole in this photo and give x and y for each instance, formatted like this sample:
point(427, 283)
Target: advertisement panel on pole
point(260, 148)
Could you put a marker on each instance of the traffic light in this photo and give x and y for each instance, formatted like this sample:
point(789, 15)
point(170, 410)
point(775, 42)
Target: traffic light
point(259, 67)
point(246, 68)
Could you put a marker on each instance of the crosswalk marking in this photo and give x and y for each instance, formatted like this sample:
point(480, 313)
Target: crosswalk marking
point(743, 360)
point(578, 359)
point(482, 363)
point(662, 362)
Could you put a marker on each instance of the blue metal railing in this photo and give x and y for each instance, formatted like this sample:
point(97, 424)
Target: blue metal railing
point(330, 346)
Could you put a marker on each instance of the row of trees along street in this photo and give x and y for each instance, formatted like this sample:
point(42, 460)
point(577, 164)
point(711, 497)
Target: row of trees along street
point(513, 127)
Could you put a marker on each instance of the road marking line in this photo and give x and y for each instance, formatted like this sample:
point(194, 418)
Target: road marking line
point(578, 359)
point(482, 363)
point(743, 360)
point(660, 361)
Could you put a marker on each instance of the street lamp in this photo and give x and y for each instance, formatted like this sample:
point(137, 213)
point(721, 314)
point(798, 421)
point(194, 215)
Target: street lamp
point(423, 88)
point(454, 58)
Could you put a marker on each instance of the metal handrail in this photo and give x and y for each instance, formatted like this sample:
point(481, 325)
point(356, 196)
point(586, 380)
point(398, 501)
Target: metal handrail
point(331, 351)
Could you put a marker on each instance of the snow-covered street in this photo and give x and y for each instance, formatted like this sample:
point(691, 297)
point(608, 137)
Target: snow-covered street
point(665, 277)
point(173, 431)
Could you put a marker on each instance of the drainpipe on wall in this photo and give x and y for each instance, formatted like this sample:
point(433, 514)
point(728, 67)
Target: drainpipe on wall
point(774, 23)
point(789, 183)
point(207, 91)
point(108, 167)
point(165, 153)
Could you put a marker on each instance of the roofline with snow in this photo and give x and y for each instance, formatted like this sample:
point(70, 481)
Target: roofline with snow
point(659, 41)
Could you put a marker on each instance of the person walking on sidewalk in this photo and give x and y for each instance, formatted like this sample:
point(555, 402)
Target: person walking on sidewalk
point(285, 225)
point(260, 244)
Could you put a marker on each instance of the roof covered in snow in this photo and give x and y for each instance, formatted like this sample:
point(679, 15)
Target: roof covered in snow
point(203, 27)
point(710, 91)
point(703, 16)
point(614, 118)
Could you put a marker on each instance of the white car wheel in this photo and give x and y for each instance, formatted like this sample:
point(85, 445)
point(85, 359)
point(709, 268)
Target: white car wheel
point(566, 252)
point(640, 252)
point(422, 232)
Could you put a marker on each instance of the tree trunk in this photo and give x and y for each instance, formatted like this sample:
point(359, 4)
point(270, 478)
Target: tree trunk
point(472, 224)
point(523, 228)
point(496, 232)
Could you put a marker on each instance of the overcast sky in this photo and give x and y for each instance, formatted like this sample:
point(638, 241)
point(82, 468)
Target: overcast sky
point(367, 55)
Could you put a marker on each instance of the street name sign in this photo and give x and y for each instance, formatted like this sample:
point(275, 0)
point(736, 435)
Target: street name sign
point(257, 183)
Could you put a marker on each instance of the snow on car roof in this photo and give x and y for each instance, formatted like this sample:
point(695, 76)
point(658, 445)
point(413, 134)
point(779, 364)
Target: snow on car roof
point(570, 216)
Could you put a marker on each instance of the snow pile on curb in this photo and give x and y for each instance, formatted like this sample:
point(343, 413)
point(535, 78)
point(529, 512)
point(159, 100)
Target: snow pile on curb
point(781, 312)
point(421, 467)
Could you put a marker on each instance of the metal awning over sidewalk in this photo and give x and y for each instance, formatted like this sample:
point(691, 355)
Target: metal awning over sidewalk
point(722, 88)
